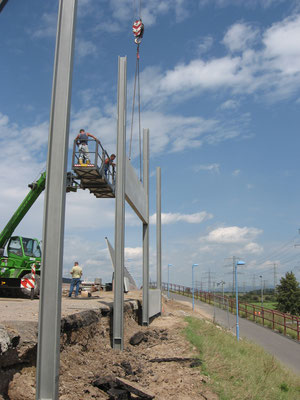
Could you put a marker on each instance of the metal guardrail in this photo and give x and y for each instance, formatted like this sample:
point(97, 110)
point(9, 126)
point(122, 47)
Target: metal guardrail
point(287, 324)
point(96, 156)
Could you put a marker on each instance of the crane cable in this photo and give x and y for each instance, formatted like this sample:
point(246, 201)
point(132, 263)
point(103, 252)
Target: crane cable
point(138, 31)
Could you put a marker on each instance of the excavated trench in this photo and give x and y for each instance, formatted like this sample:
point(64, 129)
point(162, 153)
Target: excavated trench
point(156, 361)
point(18, 346)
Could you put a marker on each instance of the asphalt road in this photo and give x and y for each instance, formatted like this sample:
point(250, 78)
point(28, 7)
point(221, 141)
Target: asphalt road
point(287, 351)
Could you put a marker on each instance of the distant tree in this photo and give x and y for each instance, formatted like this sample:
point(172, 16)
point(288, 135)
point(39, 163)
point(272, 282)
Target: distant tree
point(288, 294)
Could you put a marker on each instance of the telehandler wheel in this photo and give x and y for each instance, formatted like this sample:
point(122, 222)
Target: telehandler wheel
point(27, 292)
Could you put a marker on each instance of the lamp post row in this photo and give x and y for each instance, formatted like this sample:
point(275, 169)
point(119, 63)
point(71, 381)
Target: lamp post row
point(237, 262)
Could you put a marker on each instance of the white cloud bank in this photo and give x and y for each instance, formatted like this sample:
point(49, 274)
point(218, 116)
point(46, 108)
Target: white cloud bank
point(231, 234)
point(240, 241)
point(171, 218)
point(209, 167)
point(267, 63)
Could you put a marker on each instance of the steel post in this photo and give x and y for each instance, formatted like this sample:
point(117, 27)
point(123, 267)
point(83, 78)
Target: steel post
point(145, 316)
point(236, 302)
point(158, 226)
point(193, 287)
point(54, 210)
point(118, 315)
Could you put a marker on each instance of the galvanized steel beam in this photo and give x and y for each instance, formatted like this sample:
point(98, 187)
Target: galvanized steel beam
point(118, 316)
point(145, 314)
point(54, 209)
point(158, 227)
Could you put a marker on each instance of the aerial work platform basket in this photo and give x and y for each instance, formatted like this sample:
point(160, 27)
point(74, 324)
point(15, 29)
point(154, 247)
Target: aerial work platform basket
point(89, 166)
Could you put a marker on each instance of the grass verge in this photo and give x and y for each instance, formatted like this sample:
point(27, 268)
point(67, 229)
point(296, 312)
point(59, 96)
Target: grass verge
point(239, 370)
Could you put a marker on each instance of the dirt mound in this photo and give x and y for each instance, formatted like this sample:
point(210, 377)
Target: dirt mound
point(158, 363)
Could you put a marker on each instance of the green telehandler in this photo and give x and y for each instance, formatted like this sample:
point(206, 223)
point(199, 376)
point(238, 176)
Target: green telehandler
point(22, 264)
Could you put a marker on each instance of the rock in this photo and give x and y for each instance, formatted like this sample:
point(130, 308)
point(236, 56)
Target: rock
point(195, 363)
point(127, 367)
point(22, 387)
point(118, 394)
point(137, 338)
point(4, 340)
point(104, 382)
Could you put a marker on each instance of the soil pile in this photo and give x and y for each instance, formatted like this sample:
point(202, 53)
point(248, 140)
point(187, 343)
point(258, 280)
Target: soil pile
point(157, 362)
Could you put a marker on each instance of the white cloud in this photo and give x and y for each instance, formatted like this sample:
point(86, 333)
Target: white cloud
point(122, 13)
point(171, 218)
point(48, 26)
point(273, 69)
point(133, 253)
point(236, 172)
point(204, 44)
point(229, 105)
point(172, 133)
point(231, 234)
point(202, 75)
point(85, 48)
point(241, 3)
point(210, 167)
point(253, 248)
point(282, 45)
point(240, 36)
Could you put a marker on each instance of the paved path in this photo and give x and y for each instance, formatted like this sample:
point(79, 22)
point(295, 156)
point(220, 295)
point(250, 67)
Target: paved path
point(285, 350)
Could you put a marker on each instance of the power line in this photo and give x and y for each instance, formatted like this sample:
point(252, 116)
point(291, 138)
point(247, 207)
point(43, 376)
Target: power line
point(277, 252)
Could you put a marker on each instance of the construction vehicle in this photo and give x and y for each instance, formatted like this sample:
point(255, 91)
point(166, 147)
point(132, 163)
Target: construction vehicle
point(20, 267)
point(22, 263)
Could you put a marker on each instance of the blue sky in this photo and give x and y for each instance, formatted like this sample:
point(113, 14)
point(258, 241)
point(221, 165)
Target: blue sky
point(220, 89)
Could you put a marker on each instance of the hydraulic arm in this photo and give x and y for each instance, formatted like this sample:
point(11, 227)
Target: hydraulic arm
point(36, 189)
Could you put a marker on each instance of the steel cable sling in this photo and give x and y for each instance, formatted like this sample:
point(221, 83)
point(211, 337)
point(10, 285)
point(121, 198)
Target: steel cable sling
point(138, 31)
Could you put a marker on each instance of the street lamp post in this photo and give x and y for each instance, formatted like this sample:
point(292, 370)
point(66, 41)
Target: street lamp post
point(237, 298)
point(169, 265)
point(193, 266)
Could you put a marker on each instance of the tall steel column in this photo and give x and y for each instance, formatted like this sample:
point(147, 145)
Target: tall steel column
point(118, 316)
point(145, 316)
point(54, 209)
point(2, 4)
point(158, 226)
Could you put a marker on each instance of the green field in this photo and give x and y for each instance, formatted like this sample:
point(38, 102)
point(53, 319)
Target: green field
point(271, 305)
point(239, 370)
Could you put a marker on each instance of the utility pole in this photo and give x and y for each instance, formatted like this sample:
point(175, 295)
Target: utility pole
point(209, 282)
point(261, 291)
point(222, 283)
point(275, 276)
point(233, 258)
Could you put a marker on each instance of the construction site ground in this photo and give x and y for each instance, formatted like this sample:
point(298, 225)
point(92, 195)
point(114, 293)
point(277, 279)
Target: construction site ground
point(87, 357)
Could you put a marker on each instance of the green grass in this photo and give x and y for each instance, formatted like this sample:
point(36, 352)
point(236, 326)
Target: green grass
point(271, 305)
point(239, 370)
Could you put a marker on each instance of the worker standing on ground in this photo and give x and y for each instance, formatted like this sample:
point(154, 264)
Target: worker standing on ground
point(109, 161)
point(76, 273)
point(82, 143)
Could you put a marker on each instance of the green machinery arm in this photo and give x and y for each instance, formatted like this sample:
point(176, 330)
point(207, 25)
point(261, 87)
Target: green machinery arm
point(36, 189)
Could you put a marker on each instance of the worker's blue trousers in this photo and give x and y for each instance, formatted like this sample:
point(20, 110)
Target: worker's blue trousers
point(74, 282)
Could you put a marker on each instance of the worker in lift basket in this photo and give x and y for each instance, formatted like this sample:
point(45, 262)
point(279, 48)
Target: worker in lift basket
point(82, 143)
point(110, 162)
point(76, 273)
